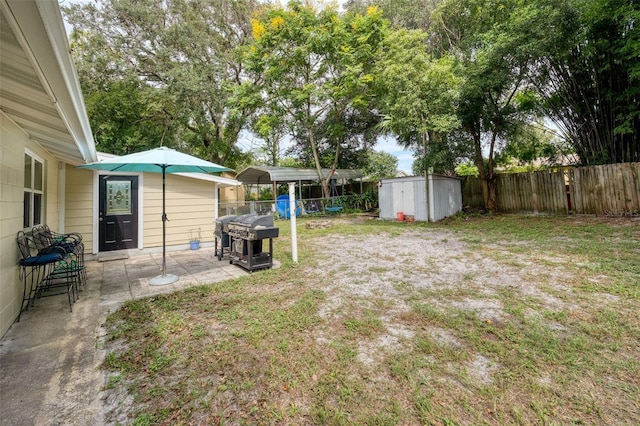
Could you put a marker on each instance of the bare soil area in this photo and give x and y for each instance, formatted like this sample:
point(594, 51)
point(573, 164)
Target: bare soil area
point(369, 269)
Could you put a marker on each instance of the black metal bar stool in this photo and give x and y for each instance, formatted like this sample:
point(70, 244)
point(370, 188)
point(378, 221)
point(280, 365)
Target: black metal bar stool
point(34, 270)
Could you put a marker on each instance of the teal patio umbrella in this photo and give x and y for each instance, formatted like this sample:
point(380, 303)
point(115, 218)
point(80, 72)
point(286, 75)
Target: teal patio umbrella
point(159, 160)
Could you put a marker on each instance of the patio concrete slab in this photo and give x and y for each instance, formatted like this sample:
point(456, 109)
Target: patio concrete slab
point(50, 360)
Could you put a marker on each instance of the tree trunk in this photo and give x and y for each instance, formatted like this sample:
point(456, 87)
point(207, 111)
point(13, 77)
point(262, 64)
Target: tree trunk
point(482, 172)
point(485, 190)
point(492, 198)
point(334, 166)
point(316, 159)
point(486, 173)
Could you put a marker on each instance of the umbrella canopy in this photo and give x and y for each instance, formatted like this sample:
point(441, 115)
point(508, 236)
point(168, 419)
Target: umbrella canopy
point(159, 160)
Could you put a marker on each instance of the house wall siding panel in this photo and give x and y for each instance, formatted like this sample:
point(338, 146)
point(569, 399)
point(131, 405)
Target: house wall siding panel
point(79, 204)
point(189, 205)
point(13, 144)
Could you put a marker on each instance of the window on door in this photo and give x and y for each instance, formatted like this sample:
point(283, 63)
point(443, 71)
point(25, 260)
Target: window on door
point(33, 191)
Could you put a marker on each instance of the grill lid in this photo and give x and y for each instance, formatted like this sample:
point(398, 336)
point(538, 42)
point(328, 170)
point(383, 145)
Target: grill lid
point(225, 219)
point(253, 220)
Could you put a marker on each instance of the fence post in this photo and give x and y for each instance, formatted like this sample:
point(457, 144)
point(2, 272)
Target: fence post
point(534, 191)
point(568, 174)
point(632, 190)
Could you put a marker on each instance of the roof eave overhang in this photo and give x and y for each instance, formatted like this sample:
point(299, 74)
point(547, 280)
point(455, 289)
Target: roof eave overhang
point(40, 31)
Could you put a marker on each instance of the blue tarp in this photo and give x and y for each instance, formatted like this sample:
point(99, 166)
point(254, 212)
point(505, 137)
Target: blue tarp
point(282, 207)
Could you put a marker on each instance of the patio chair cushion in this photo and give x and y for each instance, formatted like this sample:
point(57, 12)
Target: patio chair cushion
point(42, 259)
point(68, 247)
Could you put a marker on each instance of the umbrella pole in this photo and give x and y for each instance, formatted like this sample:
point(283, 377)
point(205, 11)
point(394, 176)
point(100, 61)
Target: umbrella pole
point(164, 226)
point(164, 278)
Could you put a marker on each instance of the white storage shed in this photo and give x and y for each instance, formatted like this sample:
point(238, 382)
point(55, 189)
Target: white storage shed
point(408, 195)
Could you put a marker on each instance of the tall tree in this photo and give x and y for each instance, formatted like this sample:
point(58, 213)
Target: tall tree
point(590, 80)
point(186, 48)
point(498, 43)
point(419, 93)
point(315, 66)
point(355, 132)
point(271, 128)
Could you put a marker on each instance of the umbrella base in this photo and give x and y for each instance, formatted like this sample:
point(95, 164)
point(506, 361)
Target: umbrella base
point(164, 279)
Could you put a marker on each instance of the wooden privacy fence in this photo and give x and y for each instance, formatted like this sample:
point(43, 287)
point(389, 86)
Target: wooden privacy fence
point(611, 189)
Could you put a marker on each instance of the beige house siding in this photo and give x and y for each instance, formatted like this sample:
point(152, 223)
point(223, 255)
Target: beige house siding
point(231, 193)
point(11, 192)
point(79, 204)
point(189, 205)
point(13, 143)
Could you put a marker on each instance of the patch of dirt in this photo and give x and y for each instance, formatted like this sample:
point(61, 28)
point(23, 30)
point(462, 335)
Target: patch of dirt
point(444, 337)
point(369, 351)
point(481, 370)
point(386, 269)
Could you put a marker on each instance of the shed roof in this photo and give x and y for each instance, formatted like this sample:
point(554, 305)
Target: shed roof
point(268, 174)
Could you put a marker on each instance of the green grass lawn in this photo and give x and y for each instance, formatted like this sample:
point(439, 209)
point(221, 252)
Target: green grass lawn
point(473, 320)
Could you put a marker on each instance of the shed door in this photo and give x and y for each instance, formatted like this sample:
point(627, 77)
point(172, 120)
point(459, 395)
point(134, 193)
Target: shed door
point(118, 213)
point(403, 198)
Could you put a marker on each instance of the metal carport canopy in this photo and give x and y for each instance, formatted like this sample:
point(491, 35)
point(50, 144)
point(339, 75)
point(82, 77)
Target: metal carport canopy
point(261, 175)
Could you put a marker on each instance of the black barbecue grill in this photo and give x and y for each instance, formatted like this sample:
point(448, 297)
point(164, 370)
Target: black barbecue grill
point(221, 233)
point(246, 234)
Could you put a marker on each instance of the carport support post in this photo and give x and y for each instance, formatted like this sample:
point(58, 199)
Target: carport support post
point(292, 215)
point(274, 190)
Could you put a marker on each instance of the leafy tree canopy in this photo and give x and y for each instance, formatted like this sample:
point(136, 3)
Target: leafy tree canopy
point(407, 14)
point(380, 165)
point(185, 49)
point(590, 79)
point(498, 43)
point(127, 116)
point(419, 93)
point(452, 79)
point(314, 68)
point(531, 147)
